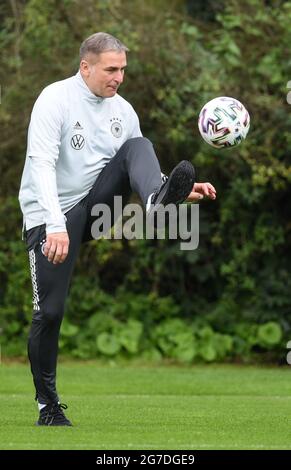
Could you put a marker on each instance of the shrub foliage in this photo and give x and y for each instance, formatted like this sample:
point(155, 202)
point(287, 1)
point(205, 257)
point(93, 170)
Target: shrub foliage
point(230, 298)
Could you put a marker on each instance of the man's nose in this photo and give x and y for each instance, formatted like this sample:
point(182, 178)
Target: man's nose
point(119, 76)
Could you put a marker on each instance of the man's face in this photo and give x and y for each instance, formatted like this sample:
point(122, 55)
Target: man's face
point(103, 73)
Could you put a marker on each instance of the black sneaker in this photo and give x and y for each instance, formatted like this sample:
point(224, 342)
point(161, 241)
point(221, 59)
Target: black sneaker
point(53, 415)
point(176, 188)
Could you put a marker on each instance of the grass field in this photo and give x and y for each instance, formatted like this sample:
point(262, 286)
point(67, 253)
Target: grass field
point(152, 407)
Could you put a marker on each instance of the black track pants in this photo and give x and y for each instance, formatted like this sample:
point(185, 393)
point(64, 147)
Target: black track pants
point(134, 168)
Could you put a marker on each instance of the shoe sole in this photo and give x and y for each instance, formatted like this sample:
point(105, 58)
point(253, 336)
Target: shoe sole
point(49, 425)
point(179, 185)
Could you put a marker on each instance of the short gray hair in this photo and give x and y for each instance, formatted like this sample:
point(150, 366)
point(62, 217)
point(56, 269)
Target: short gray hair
point(101, 42)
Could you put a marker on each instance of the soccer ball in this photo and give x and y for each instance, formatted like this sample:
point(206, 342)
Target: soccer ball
point(223, 122)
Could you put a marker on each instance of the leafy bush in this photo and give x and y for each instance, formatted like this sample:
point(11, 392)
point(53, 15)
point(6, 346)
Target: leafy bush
point(229, 299)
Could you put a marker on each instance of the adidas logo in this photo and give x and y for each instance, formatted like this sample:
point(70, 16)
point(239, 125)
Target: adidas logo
point(78, 126)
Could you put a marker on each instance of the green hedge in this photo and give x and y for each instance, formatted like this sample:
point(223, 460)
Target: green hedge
point(230, 298)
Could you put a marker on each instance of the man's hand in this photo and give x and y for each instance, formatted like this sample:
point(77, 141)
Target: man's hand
point(200, 190)
point(56, 247)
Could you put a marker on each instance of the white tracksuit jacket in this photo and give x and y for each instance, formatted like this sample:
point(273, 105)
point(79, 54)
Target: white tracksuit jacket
point(72, 135)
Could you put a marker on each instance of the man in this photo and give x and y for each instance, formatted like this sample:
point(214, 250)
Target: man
point(84, 147)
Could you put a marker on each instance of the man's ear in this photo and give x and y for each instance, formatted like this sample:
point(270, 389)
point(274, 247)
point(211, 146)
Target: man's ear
point(85, 67)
